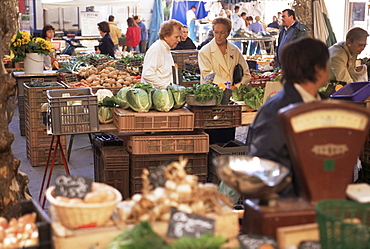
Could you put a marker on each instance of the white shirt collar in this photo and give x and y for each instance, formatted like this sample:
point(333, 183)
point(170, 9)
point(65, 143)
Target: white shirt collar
point(306, 97)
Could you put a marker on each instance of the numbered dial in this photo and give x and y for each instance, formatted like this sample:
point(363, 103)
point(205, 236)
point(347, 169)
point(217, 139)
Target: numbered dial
point(322, 119)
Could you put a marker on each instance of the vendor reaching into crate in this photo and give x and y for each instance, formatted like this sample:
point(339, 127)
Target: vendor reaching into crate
point(221, 57)
point(158, 61)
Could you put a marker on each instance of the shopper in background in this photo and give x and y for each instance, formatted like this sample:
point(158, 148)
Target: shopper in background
point(274, 24)
point(48, 33)
point(290, 31)
point(255, 46)
point(143, 35)
point(304, 73)
point(207, 40)
point(158, 61)
point(106, 45)
point(132, 35)
point(343, 56)
point(219, 56)
point(115, 32)
point(190, 22)
point(186, 42)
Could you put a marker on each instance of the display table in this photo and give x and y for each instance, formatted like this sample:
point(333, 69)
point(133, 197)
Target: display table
point(261, 40)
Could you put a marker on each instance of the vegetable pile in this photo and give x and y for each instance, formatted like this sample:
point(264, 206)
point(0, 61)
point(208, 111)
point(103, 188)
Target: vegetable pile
point(19, 233)
point(142, 236)
point(205, 92)
point(252, 96)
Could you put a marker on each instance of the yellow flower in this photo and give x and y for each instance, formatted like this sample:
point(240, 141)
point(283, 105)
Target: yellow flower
point(13, 38)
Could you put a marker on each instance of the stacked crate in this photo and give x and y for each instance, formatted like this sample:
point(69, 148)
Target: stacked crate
point(234, 147)
point(23, 78)
point(37, 139)
point(149, 151)
point(111, 163)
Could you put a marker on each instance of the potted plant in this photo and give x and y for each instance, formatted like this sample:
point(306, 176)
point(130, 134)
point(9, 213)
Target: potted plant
point(204, 95)
point(24, 47)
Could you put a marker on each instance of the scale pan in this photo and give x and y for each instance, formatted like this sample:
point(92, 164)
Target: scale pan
point(250, 176)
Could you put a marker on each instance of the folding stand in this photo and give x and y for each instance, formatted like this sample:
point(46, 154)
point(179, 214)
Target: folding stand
point(57, 144)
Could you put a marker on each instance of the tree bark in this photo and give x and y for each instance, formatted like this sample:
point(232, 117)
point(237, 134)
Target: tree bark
point(304, 13)
point(12, 182)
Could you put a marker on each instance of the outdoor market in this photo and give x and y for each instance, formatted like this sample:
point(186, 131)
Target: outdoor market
point(185, 124)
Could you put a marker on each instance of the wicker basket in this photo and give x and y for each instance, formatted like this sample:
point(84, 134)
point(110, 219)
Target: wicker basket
point(83, 215)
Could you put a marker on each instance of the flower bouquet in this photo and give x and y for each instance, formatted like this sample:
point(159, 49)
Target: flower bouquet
point(22, 43)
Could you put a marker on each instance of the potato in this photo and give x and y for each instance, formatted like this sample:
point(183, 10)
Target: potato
point(104, 75)
point(4, 222)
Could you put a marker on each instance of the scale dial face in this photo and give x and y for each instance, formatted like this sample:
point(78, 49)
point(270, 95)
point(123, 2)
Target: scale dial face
point(328, 118)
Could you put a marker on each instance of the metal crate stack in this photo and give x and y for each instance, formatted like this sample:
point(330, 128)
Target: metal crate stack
point(37, 139)
point(111, 163)
point(149, 151)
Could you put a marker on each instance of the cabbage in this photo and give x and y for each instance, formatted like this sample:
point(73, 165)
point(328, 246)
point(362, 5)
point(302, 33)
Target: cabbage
point(163, 100)
point(105, 114)
point(122, 99)
point(102, 93)
point(178, 93)
point(139, 99)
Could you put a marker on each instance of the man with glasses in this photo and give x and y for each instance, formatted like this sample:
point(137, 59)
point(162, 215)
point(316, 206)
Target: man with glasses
point(290, 31)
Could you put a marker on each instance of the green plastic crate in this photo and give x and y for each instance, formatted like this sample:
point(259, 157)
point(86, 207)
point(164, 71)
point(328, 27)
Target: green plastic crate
point(343, 224)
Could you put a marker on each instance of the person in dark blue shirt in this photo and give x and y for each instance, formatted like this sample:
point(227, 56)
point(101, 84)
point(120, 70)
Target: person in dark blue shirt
point(185, 41)
point(106, 45)
point(274, 24)
point(144, 35)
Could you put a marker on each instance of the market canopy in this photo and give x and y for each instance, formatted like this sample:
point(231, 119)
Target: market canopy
point(53, 4)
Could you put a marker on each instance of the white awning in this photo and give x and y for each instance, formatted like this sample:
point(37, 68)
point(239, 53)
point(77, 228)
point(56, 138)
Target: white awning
point(52, 4)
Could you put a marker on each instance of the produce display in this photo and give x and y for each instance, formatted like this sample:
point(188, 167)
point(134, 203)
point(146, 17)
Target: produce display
point(19, 233)
point(275, 75)
point(142, 236)
point(252, 96)
point(181, 191)
point(205, 92)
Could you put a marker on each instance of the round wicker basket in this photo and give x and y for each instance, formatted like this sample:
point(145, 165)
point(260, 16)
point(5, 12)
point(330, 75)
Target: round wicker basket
point(78, 215)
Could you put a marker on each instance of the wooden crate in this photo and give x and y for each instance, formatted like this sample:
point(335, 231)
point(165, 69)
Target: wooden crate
point(153, 121)
point(165, 143)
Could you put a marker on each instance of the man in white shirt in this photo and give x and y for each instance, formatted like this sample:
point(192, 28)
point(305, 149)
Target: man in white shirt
point(158, 61)
point(190, 22)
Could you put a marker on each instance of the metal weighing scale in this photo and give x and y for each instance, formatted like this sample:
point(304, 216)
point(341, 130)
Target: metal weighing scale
point(324, 140)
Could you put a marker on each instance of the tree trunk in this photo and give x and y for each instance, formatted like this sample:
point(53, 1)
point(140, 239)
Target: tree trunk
point(304, 13)
point(12, 182)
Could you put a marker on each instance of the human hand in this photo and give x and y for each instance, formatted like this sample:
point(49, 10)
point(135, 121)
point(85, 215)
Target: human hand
point(273, 63)
point(359, 68)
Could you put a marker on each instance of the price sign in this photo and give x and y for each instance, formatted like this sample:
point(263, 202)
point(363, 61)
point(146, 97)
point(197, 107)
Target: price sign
point(121, 66)
point(70, 78)
point(209, 78)
point(37, 81)
point(190, 225)
point(72, 186)
point(136, 62)
point(255, 241)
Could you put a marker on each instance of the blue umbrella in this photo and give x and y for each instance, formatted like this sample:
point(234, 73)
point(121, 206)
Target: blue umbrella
point(155, 23)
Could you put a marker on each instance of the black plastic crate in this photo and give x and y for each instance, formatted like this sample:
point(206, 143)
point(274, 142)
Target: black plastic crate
point(234, 147)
